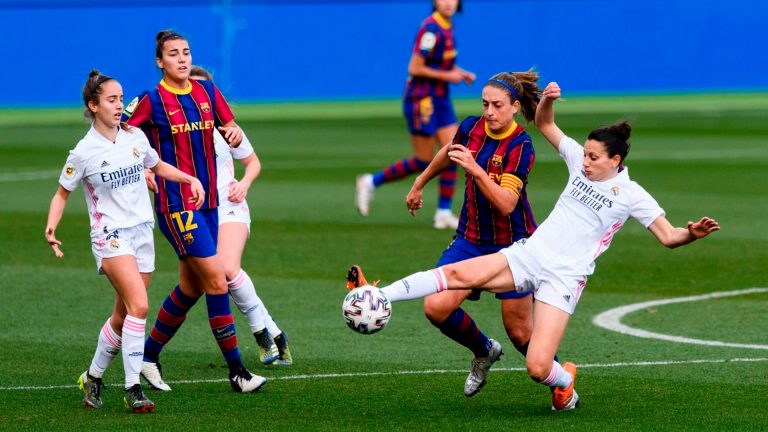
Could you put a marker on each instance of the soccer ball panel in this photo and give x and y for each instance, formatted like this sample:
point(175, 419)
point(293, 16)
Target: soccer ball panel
point(366, 309)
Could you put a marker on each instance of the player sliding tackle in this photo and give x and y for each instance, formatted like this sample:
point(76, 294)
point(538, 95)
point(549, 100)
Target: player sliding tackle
point(556, 260)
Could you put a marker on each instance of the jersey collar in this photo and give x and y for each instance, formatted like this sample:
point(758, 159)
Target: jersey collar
point(444, 23)
point(187, 90)
point(502, 135)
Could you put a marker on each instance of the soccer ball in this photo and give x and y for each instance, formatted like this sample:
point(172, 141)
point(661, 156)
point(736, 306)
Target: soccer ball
point(366, 309)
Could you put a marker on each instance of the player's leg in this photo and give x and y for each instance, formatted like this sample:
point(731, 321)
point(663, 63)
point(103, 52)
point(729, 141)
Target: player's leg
point(516, 315)
point(131, 286)
point(487, 272)
point(107, 348)
point(444, 217)
point(549, 325)
point(232, 238)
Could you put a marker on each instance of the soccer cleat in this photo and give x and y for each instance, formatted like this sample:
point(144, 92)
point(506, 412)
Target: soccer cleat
point(136, 401)
point(445, 219)
point(284, 354)
point(355, 278)
point(479, 371)
point(364, 189)
point(564, 399)
point(91, 388)
point(243, 381)
point(152, 372)
point(267, 349)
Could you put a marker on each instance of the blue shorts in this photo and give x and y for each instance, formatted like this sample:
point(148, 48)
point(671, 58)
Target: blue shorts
point(460, 250)
point(191, 232)
point(426, 115)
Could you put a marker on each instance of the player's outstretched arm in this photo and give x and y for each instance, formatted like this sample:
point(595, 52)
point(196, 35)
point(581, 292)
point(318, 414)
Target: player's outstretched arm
point(56, 210)
point(673, 237)
point(440, 162)
point(545, 115)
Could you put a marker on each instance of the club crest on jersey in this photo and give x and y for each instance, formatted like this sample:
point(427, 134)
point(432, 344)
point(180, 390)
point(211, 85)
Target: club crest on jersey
point(189, 238)
point(69, 170)
point(114, 244)
point(496, 160)
point(615, 190)
point(132, 106)
point(136, 152)
point(204, 107)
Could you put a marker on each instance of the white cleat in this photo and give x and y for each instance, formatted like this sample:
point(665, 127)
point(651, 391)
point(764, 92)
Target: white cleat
point(245, 382)
point(445, 219)
point(479, 371)
point(152, 373)
point(364, 189)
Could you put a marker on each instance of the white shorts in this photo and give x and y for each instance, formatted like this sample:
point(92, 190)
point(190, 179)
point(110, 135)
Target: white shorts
point(234, 212)
point(137, 241)
point(531, 273)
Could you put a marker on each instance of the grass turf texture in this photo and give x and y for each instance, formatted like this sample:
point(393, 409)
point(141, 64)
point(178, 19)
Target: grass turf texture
point(697, 154)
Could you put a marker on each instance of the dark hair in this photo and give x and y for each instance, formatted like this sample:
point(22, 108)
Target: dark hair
point(615, 138)
point(196, 70)
point(164, 36)
point(92, 90)
point(524, 83)
point(458, 7)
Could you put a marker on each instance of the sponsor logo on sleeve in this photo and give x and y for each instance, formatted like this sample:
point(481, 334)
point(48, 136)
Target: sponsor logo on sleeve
point(428, 41)
point(69, 170)
point(132, 106)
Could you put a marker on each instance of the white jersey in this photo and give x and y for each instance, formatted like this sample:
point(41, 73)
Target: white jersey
point(587, 216)
point(113, 178)
point(225, 167)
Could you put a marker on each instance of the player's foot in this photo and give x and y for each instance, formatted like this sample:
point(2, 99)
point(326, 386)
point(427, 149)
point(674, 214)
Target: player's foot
point(267, 349)
point(564, 399)
point(243, 381)
point(479, 371)
point(355, 278)
point(364, 189)
point(284, 354)
point(152, 372)
point(136, 401)
point(91, 388)
point(445, 219)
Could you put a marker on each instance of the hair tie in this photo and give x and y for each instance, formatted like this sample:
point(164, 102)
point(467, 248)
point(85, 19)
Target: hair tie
point(509, 87)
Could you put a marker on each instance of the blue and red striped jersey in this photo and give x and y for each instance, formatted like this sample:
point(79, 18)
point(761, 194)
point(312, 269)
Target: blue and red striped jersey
point(436, 44)
point(511, 153)
point(179, 125)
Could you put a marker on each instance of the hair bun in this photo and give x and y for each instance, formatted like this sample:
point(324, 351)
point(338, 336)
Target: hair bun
point(623, 129)
point(94, 73)
point(163, 34)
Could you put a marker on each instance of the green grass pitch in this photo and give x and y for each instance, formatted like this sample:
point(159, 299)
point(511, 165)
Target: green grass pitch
point(697, 154)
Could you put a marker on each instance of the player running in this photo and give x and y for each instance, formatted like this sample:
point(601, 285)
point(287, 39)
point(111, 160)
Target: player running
point(109, 161)
point(556, 260)
point(428, 111)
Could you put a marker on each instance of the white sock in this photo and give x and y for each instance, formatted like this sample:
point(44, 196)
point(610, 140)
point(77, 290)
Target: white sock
point(106, 350)
point(417, 285)
point(133, 348)
point(273, 329)
point(558, 377)
point(244, 295)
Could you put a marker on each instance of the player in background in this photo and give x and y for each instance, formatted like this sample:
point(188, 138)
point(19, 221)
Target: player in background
point(179, 117)
point(556, 260)
point(497, 155)
point(428, 111)
point(234, 230)
point(110, 161)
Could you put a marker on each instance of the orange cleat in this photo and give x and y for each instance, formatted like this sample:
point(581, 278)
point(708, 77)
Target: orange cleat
point(355, 278)
point(564, 399)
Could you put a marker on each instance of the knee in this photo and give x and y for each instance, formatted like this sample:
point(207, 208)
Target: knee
point(138, 309)
point(519, 332)
point(231, 271)
point(436, 310)
point(538, 370)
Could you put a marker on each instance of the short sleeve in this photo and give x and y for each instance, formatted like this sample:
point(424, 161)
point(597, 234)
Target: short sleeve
point(520, 159)
point(572, 152)
point(242, 151)
point(427, 39)
point(138, 111)
point(644, 207)
point(72, 172)
point(223, 113)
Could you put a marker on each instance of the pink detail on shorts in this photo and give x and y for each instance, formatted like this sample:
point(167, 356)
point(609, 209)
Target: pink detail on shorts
point(607, 238)
point(107, 331)
point(237, 282)
point(580, 288)
point(442, 284)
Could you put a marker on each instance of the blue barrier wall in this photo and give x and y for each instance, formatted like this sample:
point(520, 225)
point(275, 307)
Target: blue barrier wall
point(342, 49)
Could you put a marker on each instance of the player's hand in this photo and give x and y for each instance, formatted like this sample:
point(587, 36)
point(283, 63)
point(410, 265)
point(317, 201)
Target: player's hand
point(703, 227)
point(237, 192)
point(468, 77)
point(413, 200)
point(454, 76)
point(198, 193)
point(50, 236)
point(149, 177)
point(551, 91)
point(463, 157)
point(233, 135)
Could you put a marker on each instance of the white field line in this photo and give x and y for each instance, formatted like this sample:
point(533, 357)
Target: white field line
point(425, 372)
point(611, 319)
